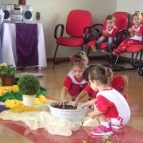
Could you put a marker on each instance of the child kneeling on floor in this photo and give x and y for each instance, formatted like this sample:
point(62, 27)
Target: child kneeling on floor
point(110, 107)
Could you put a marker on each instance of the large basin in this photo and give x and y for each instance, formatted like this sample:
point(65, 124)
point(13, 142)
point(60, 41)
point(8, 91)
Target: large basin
point(68, 114)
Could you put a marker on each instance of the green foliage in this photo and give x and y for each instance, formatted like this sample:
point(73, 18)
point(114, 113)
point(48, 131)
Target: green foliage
point(28, 85)
point(7, 70)
point(18, 95)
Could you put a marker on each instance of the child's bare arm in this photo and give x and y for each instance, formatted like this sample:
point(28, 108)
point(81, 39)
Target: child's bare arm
point(79, 97)
point(63, 94)
point(88, 103)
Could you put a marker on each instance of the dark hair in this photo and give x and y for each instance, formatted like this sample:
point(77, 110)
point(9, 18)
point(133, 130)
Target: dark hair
point(80, 59)
point(101, 73)
point(85, 74)
point(110, 17)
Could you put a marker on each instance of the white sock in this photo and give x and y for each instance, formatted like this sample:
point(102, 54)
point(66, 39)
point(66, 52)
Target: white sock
point(106, 124)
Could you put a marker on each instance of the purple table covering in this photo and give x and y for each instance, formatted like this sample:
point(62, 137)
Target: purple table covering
point(26, 44)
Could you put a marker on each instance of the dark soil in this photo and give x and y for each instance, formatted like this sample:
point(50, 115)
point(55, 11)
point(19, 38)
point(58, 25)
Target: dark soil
point(65, 107)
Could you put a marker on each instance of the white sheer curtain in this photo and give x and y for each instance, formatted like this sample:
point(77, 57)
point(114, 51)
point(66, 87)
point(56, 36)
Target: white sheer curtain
point(1, 21)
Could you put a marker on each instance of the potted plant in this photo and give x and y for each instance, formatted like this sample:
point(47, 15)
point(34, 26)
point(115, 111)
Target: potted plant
point(29, 86)
point(7, 74)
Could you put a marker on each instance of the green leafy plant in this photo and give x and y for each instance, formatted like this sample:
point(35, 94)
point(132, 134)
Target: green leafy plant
point(28, 85)
point(7, 70)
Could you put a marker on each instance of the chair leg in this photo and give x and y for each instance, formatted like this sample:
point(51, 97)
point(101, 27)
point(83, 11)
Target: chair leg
point(88, 51)
point(81, 47)
point(114, 65)
point(54, 58)
point(110, 55)
point(140, 66)
point(134, 62)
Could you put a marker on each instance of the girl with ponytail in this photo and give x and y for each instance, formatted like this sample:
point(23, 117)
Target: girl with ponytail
point(110, 107)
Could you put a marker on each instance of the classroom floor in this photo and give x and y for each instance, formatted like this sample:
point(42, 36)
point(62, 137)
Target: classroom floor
point(17, 132)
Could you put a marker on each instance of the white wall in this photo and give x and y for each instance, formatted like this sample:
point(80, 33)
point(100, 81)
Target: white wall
point(130, 5)
point(55, 11)
point(9, 1)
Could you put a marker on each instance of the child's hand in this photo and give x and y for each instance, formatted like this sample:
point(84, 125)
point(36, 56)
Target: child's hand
point(62, 102)
point(75, 104)
point(81, 106)
point(105, 32)
point(131, 30)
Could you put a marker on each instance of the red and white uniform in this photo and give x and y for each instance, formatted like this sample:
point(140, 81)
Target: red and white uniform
point(90, 91)
point(132, 40)
point(138, 29)
point(74, 85)
point(114, 106)
point(111, 31)
point(117, 83)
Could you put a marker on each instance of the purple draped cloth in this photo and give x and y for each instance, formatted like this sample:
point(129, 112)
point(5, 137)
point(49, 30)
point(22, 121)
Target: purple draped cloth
point(26, 44)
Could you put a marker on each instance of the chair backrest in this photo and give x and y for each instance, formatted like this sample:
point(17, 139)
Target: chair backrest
point(122, 20)
point(142, 17)
point(77, 20)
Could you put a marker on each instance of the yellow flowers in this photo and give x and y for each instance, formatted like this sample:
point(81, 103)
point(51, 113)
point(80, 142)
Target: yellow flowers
point(3, 64)
point(22, 108)
point(7, 70)
point(18, 107)
point(5, 89)
point(41, 100)
point(13, 103)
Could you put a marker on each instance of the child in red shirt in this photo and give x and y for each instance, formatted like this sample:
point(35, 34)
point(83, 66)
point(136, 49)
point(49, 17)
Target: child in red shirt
point(119, 82)
point(108, 34)
point(74, 82)
point(110, 107)
point(136, 32)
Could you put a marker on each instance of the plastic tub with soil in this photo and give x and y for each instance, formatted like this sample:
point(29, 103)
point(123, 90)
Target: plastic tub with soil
point(67, 112)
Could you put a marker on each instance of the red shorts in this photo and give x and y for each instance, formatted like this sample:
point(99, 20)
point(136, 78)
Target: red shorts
point(75, 89)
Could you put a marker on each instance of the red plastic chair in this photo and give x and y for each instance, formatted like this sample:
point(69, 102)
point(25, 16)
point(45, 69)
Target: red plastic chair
point(136, 51)
point(75, 28)
point(122, 20)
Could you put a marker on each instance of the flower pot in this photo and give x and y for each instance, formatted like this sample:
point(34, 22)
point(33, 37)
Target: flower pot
point(29, 100)
point(7, 80)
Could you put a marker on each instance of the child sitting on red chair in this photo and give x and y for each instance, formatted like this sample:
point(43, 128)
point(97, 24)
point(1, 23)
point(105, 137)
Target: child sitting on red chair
point(108, 33)
point(136, 32)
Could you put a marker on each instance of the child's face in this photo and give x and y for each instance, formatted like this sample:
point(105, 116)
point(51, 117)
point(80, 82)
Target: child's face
point(110, 23)
point(93, 84)
point(77, 71)
point(136, 20)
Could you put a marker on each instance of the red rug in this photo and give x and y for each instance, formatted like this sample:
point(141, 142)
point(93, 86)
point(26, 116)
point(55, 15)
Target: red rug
point(125, 135)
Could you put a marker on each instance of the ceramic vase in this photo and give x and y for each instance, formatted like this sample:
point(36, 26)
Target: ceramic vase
point(29, 100)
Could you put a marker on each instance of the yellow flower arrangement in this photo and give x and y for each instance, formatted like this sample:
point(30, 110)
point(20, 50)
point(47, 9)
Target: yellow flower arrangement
point(23, 108)
point(5, 89)
point(18, 107)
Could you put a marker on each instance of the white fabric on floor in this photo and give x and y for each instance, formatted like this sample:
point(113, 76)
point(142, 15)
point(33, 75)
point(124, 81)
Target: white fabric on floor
point(43, 119)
